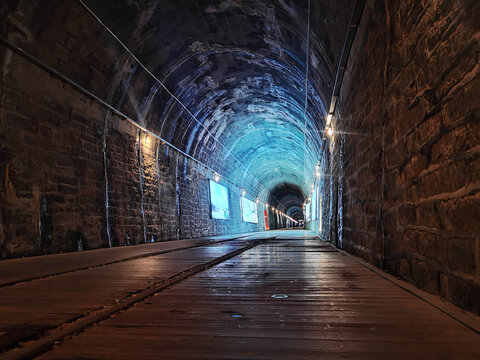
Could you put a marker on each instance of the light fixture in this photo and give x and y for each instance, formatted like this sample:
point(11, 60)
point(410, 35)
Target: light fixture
point(329, 118)
point(330, 132)
point(243, 192)
point(217, 177)
point(147, 139)
point(256, 201)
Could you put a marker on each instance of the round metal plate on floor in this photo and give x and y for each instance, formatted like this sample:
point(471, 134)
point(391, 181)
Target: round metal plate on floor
point(279, 296)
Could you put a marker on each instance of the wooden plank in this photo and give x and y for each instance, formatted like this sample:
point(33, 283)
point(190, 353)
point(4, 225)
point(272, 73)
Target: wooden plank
point(25, 269)
point(335, 309)
point(29, 309)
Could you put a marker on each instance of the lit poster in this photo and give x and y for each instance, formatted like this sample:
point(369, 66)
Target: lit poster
point(314, 205)
point(308, 212)
point(219, 201)
point(249, 211)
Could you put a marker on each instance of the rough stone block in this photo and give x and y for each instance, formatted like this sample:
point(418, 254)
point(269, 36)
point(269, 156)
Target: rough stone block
point(407, 214)
point(395, 154)
point(460, 215)
point(460, 139)
point(444, 179)
point(424, 276)
point(463, 292)
point(461, 255)
point(405, 268)
point(461, 65)
point(427, 215)
point(458, 107)
point(474, 169)
point(423, 134)
point(413, 168)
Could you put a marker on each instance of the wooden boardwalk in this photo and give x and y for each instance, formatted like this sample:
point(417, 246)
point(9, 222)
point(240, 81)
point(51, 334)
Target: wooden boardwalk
point(255, 297)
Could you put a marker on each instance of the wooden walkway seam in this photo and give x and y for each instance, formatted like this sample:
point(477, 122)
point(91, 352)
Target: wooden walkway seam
point(467, 319)
point(36, 347)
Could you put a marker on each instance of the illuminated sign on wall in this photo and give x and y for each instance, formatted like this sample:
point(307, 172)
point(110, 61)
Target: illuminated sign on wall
point(308, 212)
point(219, 201)
point(314, 204)
point(320, 215)
point(249, 210)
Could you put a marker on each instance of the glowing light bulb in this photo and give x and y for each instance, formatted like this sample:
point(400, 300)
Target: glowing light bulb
point(147, 139)
point(243, 192)
point(329, 118)
point(330, 132)
point(217, 177)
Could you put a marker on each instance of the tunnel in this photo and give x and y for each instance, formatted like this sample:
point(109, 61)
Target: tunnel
point(293, 135)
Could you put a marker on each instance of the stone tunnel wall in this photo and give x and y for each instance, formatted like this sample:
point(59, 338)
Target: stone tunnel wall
point(412, 183)
point(53, 176)
point(59, 190)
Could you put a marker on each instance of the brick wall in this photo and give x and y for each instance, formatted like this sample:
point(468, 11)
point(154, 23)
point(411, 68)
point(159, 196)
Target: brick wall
point(73, 176)
point(410, 95)
point(50, 165)
point(54, 174)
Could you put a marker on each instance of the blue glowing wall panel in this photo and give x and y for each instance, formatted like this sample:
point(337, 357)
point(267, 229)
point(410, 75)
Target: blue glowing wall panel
point(314, 204)
point(249, 211)
point(219, 201)
point(308, 212)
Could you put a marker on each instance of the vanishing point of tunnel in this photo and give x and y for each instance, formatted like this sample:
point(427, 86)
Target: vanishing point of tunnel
point(241, 179)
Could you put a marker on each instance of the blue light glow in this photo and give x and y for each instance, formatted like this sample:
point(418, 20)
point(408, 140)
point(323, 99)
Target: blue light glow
point(249, 211)
point(219, 201)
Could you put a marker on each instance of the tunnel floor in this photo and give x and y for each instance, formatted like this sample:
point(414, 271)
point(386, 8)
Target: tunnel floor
point(270, 295)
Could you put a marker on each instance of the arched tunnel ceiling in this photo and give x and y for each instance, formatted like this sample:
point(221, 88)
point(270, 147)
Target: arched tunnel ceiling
point(291, 197)
point(239, 67)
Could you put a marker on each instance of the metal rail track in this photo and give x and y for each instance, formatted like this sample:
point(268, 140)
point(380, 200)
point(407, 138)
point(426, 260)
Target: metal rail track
point(34, 348)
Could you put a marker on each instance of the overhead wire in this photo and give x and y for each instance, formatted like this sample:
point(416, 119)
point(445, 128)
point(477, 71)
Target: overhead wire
point(173, 96)
point(74, 85)
point(306, 95)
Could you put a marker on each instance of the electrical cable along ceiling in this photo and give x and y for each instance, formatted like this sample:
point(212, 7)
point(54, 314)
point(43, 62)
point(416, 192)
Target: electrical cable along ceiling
point(232, 88)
